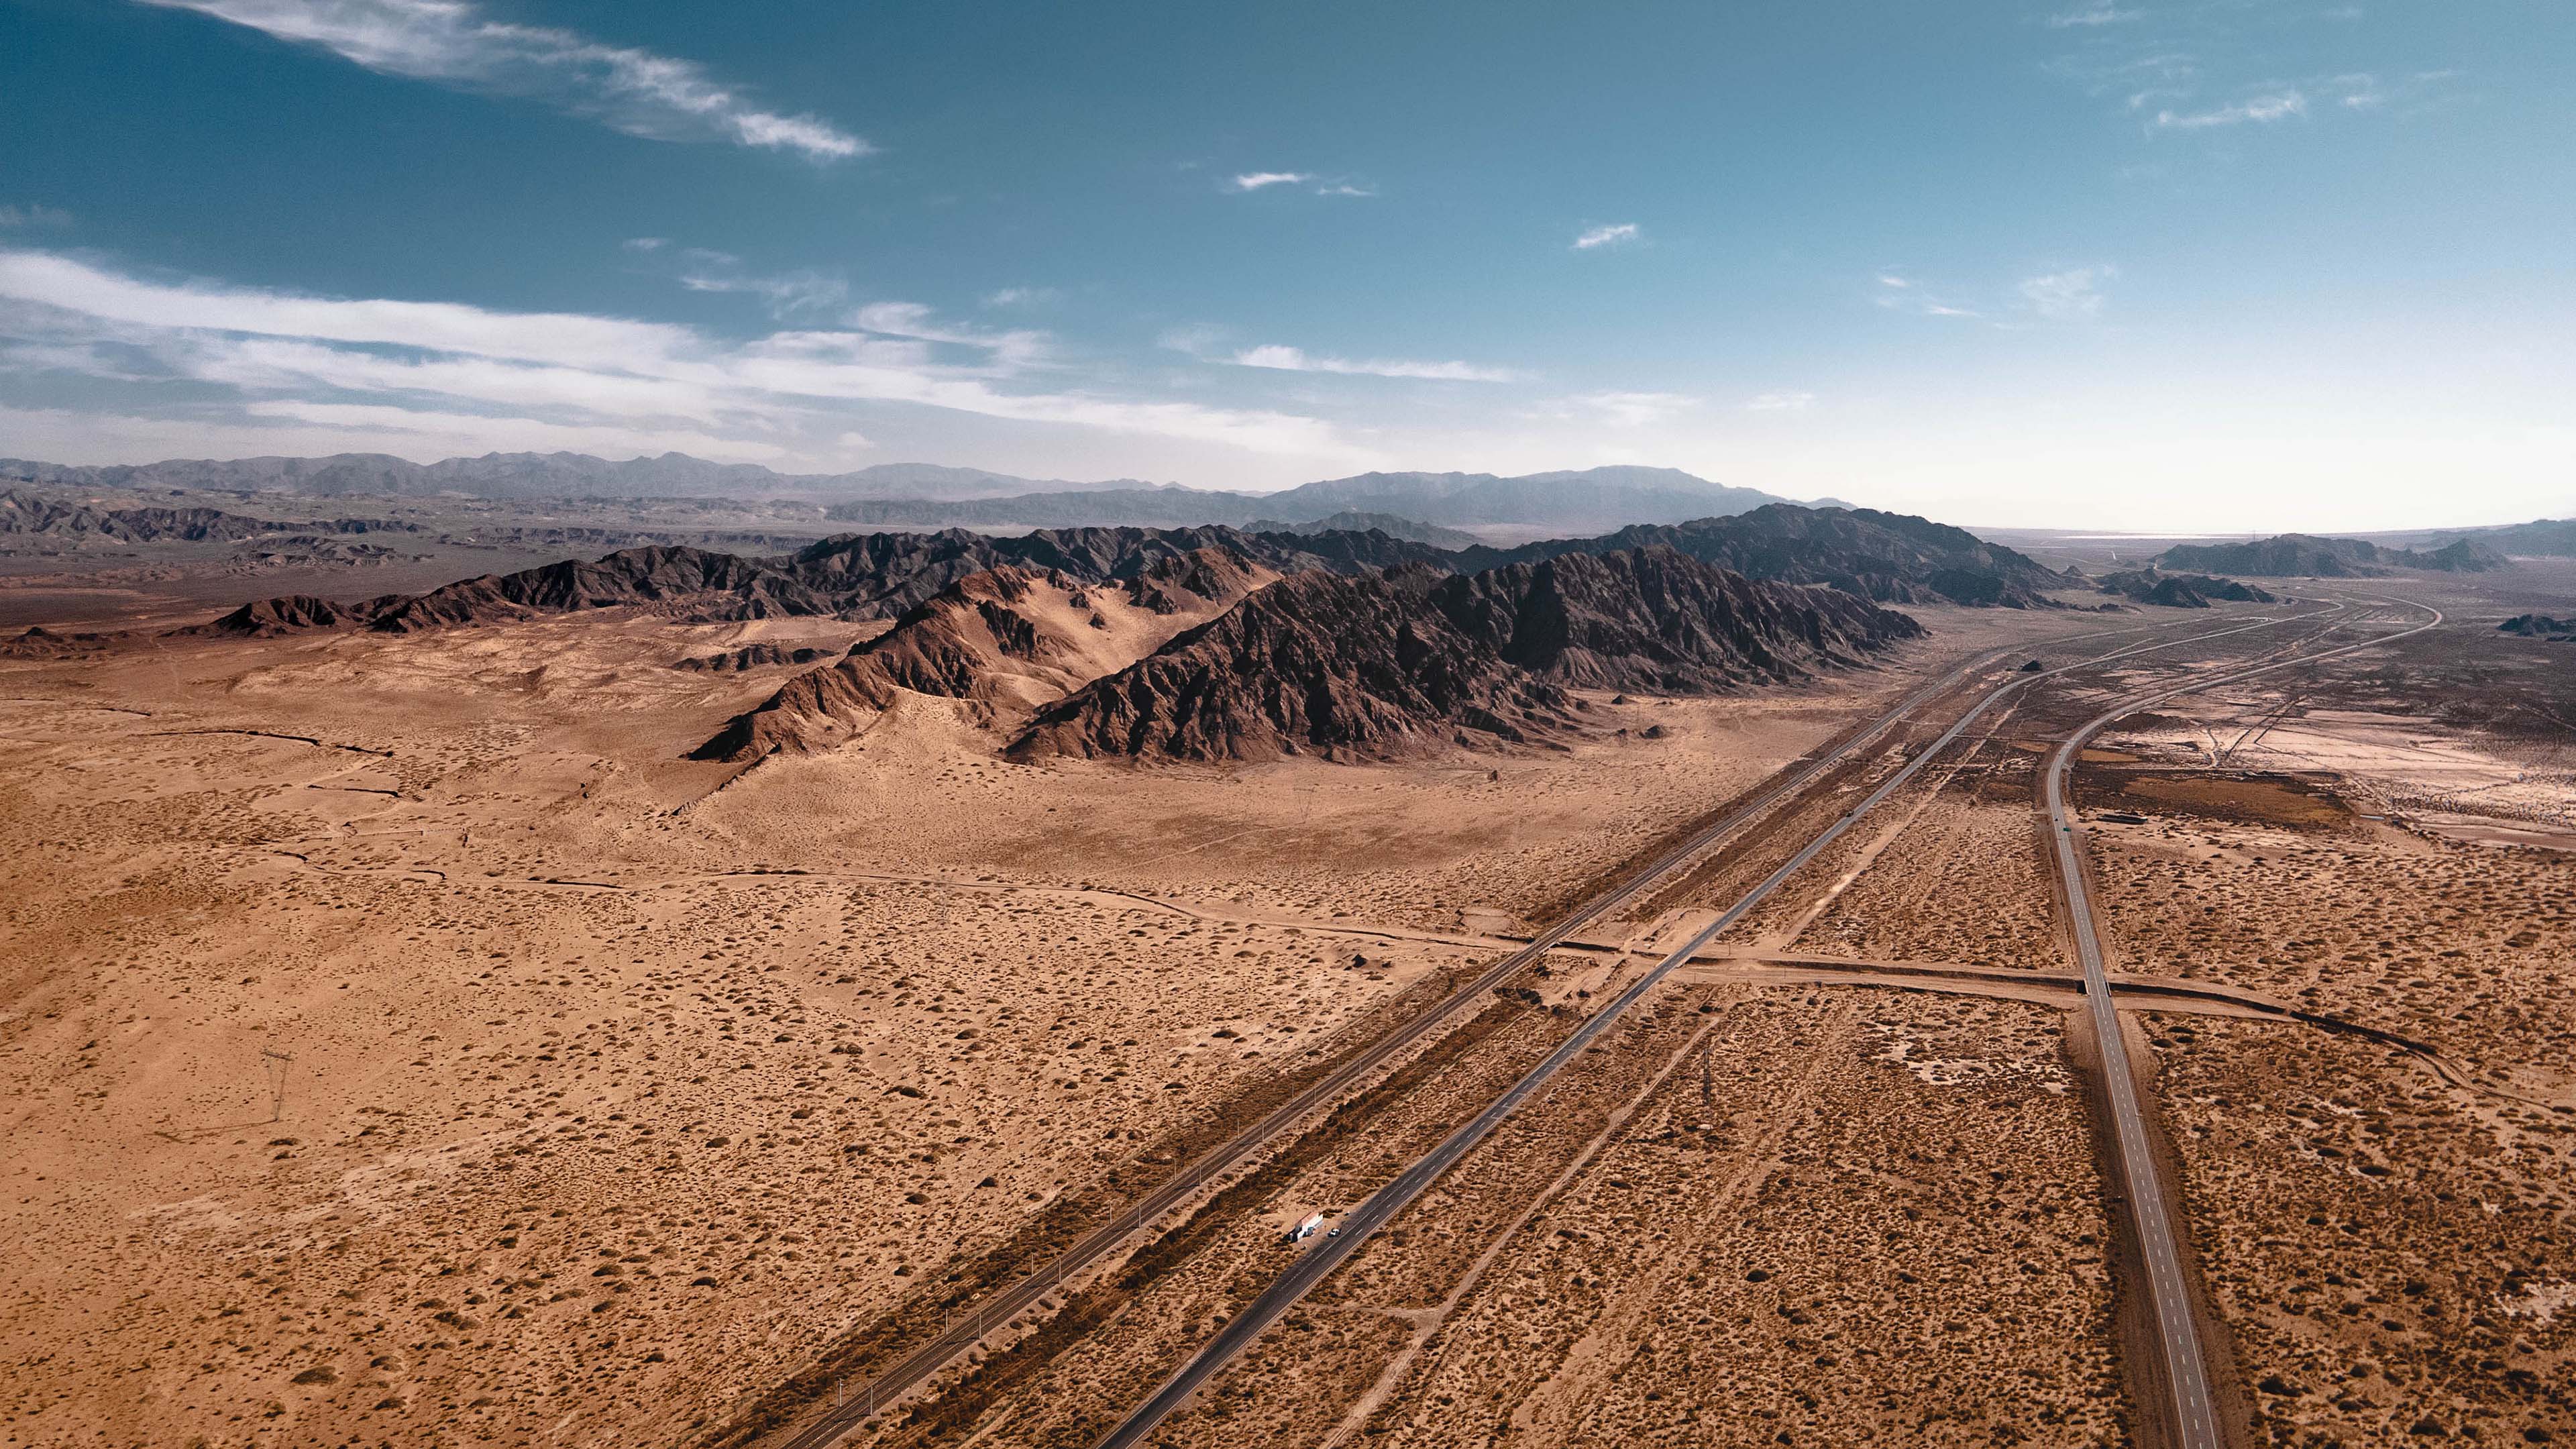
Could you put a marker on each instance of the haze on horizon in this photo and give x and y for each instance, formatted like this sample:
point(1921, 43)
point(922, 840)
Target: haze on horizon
point(2227, 265)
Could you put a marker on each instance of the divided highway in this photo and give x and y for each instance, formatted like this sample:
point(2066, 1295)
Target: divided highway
point(858, 1403)
point(2168, 1292)
point(1319, 1261)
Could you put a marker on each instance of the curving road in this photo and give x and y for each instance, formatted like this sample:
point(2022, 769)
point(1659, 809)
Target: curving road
point(2194, 1409)
point(1319, 1261)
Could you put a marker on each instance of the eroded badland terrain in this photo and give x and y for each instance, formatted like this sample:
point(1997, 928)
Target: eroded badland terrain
point(489, 1032)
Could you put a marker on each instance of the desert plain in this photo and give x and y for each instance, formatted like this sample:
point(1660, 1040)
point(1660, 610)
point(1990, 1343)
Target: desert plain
point(402, 1042)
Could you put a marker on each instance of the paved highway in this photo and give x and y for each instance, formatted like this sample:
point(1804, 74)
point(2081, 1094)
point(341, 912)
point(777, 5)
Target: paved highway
point(2168, 1292)
point(1318, 1262)
point(855, 1405)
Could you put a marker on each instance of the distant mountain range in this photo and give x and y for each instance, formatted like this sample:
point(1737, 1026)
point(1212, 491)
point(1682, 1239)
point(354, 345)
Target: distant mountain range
point(2299, 555)
point(924, 495)
point(541, 475)
point(2540, 538)
point(35, 516)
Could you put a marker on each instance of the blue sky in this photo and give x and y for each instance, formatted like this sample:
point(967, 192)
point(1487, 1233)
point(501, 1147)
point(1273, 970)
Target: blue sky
point(2223, 264)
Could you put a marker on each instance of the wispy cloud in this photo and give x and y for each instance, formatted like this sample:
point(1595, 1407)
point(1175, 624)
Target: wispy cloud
point(518, 374)
point(31, 215)
point(451, 42)
point(2261, 110)
point(1308, 180)
point(2073, 295)
point(1900, 293)
point(1011, 350)
point(787, 294)
point(1195, 338)
point(1606, 236)
point(1019, 296)
point(1779, 402)
point(1291, 359)
point(2100, 12)
point(1635, 409)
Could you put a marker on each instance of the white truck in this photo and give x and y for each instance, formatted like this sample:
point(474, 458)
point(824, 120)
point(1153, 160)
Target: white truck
point(1306, 1227)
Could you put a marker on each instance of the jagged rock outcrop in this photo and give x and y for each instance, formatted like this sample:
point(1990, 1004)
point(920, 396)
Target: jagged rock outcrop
point(851, 576)
point(762, 655)
point(1007, 640)
point(1656, 620)
point(1407, 661)
point(1892, 558)
point(268, 618)
point(1359, 668)
point(2179, 591)
point(2540, 626)
point(705, 586)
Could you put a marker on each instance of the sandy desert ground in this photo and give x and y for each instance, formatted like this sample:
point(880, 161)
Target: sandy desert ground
point(404, 1045)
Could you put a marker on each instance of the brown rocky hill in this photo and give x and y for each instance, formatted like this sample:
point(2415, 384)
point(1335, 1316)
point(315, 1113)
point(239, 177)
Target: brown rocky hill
point(1654, 619)
point(1007, 640)
point(762, 655)
point(852, 576)
point(1892, 558)
point(1348, 667)
point(703, 584)
point(1406, 661)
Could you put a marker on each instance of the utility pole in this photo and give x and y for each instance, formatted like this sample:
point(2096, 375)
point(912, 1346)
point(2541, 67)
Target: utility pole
point(276, 1062)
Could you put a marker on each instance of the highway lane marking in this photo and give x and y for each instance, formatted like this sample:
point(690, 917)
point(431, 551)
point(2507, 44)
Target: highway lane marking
point(2186, 1370)
point(964, 1334)
point(1320, 1260)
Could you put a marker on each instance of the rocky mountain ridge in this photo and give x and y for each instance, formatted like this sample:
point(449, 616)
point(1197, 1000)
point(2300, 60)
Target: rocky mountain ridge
point(1408, 660)
point(1892, 558)
point(1007, 640)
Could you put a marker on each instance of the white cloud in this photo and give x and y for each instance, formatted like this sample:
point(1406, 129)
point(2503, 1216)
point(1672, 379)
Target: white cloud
point(1636, 409)
point(32, 215)
point(1604, 236)
point(1780, 402)
point(516, 374)
point(1292, 359)
point(1344, 188)
point(2099, 12)
point(450, 41)
point(2263, 109)
point(1899, 293)
point(2069, 296)
point(1019, 296)
point(1255, 180)
point(788, 293)
point(911, 319)
point(646, 243)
